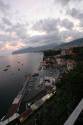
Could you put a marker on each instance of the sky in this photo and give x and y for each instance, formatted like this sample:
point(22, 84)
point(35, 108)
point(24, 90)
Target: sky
point(31, 23)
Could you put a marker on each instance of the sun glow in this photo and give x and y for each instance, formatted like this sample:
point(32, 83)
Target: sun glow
point(61, 29)
point(69, 38)
point(35, 33)
point(11, 47)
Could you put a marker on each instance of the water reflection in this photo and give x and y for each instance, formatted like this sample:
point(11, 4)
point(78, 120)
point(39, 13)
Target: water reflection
point(12, 80)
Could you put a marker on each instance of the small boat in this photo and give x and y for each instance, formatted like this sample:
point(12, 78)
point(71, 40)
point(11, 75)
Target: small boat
point(5, 70)
point(18, 62)
point(35, 74)
point(25, 75)
point(8, 66)
point(18, 69)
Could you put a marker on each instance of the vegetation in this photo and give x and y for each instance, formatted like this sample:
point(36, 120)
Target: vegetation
point(51, 52)
point(69, 92)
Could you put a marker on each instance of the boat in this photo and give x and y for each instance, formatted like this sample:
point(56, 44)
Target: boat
point(35, 74)
point(17, 112)
point(18, 69)
point(5, 70)
point(8, 66)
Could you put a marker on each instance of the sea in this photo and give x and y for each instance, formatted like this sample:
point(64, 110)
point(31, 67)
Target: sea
point(13, 72)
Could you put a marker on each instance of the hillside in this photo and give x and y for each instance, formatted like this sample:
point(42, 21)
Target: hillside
point(78, 42)
point(36, 49)
point(74, 43)
point(69, 92)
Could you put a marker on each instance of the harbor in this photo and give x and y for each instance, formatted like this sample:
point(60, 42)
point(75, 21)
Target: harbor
point(42, 84)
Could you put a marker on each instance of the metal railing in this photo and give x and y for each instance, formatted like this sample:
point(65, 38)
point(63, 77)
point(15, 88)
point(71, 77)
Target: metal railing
point(75, 114)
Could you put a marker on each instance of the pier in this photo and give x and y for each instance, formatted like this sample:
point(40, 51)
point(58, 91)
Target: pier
point(36, 90)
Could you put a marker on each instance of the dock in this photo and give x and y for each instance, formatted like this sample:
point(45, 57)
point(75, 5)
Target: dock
point(36, 90)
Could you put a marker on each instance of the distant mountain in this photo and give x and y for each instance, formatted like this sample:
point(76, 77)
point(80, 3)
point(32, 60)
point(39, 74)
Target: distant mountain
point(36, 49)
point(78, 42)
point(74, 43)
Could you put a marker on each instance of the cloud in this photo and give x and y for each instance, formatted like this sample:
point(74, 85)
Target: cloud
point(52, 33)
point(73, 34)
point(49, 29)
point(6, 21)
point(75, 13)
point(18, 32)
point(11, 46)
point(62, 2)
point(47, 25)
point(66, 24)
point(45, 39)
point(65, 2)
point(53, 25)
point(19, 29)
point(5, 15)
point(5, 38)
point(55, 32)
point(4, 8)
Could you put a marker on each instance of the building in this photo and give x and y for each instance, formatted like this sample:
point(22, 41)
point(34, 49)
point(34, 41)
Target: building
point(60, 61)
point(70, 65)
point(69, 51)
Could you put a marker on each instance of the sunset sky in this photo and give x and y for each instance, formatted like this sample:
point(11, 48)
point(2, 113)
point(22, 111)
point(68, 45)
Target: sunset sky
point(26, 23)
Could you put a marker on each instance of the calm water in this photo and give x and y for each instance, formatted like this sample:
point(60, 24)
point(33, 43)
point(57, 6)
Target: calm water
point(12, 80)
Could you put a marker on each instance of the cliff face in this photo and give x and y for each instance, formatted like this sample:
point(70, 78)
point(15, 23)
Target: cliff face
point(60, 106)
point(69, 91)
point(68, 94)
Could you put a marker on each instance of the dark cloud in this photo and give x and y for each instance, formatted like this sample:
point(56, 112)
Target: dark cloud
point(1, 45)
point(76, 13)
point(2, 26)
point(6, 21)
point(53, 34)
point(67, 24)
point(20, 30)
point(50, 25)
point(47, 25)
point(62, 2)
point(4, 8)
point(46, 39)
point(4, 15)
point(65, 2)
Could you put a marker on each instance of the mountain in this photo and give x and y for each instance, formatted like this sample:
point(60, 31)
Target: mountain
point(74, 43)
point(36, 49)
